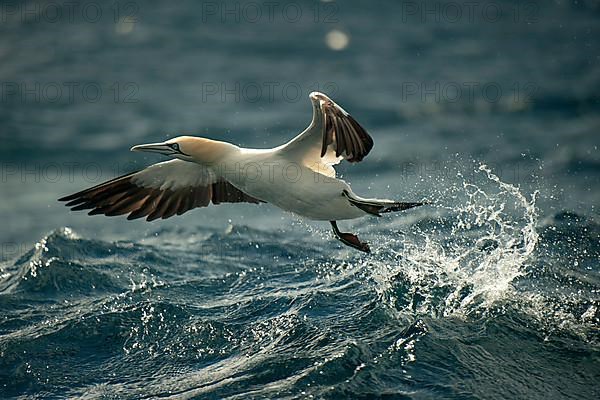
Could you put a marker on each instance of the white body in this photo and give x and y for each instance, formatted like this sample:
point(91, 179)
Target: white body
point(272, 176)
point(297, 176)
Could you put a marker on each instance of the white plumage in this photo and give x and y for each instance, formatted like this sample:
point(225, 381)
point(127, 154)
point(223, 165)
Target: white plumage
point(297, 176)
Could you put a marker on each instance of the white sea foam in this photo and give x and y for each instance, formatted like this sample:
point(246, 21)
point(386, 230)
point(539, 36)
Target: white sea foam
point(469, 267)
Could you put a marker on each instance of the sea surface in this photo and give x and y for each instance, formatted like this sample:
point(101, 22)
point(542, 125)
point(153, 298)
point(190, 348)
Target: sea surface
point(489, 110)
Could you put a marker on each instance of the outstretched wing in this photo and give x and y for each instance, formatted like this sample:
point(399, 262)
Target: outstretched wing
point(159, 191)
point(333, 135)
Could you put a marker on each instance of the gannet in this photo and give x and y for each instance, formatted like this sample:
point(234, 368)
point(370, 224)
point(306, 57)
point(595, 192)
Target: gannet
point(297, 176)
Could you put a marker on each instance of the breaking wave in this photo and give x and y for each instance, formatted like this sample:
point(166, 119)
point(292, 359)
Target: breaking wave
point(249, 313)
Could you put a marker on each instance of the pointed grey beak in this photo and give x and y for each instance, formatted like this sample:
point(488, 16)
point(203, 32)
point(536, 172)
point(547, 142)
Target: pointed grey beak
point(161, 148)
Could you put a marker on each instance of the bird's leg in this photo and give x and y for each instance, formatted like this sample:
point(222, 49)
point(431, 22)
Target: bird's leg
point(349, 239)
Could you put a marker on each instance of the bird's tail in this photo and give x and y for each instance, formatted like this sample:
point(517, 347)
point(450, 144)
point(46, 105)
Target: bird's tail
point(377, 206)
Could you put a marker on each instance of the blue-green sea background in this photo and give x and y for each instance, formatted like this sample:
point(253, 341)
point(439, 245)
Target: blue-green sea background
point(488, 109)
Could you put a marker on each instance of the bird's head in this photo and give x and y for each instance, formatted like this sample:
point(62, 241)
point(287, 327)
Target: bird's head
point(187, 148)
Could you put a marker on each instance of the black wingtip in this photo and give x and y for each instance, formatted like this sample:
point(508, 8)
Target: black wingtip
point(67, 198)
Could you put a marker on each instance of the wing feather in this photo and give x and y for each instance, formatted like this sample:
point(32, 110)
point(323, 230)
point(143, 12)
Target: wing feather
point(159, 191)
point(333, 135)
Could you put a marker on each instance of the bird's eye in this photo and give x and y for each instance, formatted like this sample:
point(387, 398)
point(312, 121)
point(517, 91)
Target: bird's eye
point(175, 146)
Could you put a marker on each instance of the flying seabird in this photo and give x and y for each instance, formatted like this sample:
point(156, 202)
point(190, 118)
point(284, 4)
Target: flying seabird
point(297, 176)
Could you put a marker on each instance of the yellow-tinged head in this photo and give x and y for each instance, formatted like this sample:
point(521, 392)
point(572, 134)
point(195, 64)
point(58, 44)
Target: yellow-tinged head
point(189, 148)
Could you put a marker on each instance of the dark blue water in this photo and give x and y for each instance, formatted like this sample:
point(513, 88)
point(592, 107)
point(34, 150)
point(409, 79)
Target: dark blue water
point(489, 110)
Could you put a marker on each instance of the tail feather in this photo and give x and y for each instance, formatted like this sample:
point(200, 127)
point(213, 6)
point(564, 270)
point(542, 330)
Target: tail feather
point(377, 207)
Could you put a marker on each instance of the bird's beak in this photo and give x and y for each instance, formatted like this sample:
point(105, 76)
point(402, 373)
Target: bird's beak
point(161, 148)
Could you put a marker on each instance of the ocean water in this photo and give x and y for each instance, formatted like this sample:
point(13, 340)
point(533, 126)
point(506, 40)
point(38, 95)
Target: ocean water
point(490, 110)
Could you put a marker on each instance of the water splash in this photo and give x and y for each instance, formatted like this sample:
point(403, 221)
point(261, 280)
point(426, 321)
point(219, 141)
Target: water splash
point(466, 260)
